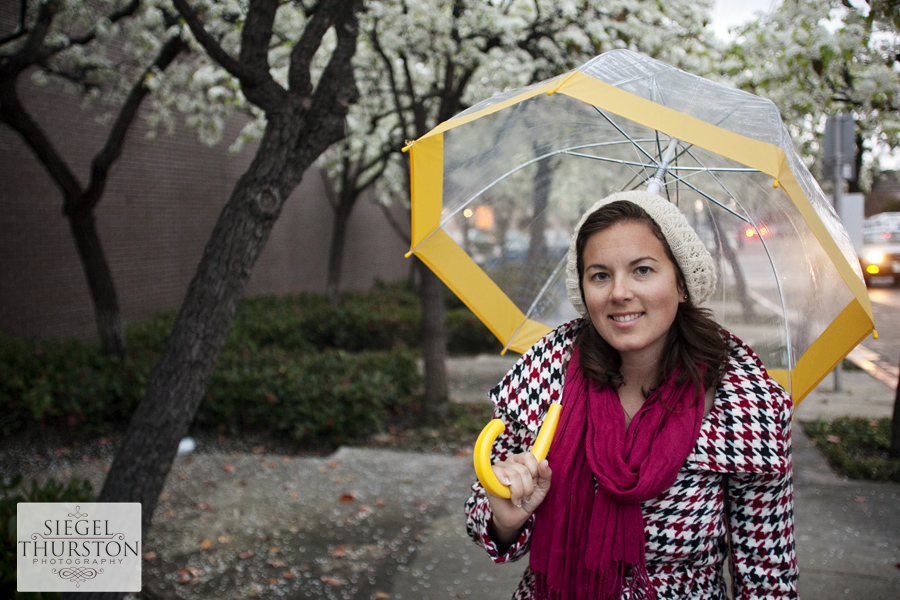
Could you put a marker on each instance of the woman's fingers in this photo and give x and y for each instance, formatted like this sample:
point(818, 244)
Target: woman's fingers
point(529, 482)
point(518, 479)
point(520, 473)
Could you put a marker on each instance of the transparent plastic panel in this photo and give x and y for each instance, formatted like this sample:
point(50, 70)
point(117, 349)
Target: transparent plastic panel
point(823, 208)
point(717, 104)
point(517, 181)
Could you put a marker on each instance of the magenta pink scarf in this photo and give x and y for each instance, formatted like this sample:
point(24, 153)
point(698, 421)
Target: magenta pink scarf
point(584, 542)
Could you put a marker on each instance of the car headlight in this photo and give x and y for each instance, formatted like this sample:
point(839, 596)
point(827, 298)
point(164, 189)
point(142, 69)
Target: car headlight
point(874, 257)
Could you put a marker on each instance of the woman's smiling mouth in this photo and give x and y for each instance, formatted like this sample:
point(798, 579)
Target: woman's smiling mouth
point(625, 318)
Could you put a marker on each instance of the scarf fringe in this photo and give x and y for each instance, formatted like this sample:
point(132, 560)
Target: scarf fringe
point(607, 585)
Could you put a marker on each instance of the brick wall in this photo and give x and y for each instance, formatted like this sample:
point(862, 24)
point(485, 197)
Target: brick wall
point(159, 208)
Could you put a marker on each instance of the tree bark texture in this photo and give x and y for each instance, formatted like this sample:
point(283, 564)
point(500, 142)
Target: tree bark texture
point(110, 326)
point(179, 379)
point(302, 123)
point(435, 405)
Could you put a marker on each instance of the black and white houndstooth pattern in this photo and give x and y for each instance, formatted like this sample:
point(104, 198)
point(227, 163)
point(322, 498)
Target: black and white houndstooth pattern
point(745, 440)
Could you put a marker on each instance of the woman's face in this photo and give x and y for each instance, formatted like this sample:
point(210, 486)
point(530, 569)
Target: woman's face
point(631, 289)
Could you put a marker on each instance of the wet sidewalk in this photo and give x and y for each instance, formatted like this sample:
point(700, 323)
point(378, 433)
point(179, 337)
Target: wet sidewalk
point(376, 524)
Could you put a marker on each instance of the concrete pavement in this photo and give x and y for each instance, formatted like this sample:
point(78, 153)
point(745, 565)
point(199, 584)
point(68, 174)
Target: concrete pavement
point(377, 524)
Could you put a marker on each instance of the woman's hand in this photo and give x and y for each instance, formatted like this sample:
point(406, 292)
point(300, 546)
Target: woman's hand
point(529, 482)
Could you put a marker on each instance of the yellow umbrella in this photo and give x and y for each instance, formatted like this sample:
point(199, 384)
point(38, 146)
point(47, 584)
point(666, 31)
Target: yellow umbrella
point(497, 190)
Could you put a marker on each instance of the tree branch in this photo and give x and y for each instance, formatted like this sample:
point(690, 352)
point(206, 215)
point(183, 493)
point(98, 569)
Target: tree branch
point(256, 83)
point(126, 11)
point(337, 84)
point(382, 164)
point(418, 108)
point(392, 80)
point(257, 34)
point(29, 53)
point(301, 56)
point(113, 147)
point(398, 229)
point(14, 114)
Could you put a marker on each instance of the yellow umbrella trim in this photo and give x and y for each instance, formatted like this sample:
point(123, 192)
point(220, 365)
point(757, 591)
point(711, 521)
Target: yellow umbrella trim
point(508, 323)
point(462, 275)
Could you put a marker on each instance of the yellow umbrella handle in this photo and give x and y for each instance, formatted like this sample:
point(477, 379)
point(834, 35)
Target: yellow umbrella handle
point(485, 442)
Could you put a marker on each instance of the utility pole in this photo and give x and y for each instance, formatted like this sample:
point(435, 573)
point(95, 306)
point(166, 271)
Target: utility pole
point(840, 152)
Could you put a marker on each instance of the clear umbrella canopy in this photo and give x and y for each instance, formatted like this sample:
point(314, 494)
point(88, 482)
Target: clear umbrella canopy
point(498, 189)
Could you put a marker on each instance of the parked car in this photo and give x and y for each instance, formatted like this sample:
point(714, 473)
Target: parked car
point(881, 246)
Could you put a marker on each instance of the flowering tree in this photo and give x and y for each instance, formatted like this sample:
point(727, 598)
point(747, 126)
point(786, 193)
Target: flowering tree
point(71, 42)
point(356, 163)
point(434, 59)
point(272, 55)
point(814, 58)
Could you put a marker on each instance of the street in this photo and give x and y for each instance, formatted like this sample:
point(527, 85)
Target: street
point(885, 351)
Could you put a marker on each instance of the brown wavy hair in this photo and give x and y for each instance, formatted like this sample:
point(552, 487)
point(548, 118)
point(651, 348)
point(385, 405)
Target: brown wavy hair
point(695, 343)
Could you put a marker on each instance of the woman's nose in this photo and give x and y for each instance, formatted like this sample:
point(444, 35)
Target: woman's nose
point(621, 290)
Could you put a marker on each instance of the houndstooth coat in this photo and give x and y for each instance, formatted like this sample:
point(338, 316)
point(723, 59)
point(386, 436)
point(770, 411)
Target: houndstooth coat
point(743, 452)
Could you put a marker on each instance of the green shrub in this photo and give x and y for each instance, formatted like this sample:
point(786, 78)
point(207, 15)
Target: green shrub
point(73, 383)
point(856, 448)
point(379, 319)
point(331, 397)
point(76, 490)
point(68, 381)
point(467, 335)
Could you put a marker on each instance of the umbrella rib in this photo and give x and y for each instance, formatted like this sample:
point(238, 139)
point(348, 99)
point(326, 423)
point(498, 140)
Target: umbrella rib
point(712, 173)
point(628, 137)
point(534, 160)
point(606, 159)
point(746, 219)
point(671, 167)
point(629, 164)
point(713, 200)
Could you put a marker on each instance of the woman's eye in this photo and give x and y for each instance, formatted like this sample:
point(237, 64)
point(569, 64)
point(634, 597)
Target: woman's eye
point(599, 276)
point(643, 270)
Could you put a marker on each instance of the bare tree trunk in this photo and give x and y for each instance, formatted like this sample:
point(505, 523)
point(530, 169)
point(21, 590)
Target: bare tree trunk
point(110, 327)
point(537, 247)
point(342, 212)
point(739, 281)
point(434, 347)
point(79, 202)
point(302, 123)
point(179, 380)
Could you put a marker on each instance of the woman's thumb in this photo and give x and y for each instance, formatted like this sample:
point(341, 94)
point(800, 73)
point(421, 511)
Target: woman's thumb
point(544, 475)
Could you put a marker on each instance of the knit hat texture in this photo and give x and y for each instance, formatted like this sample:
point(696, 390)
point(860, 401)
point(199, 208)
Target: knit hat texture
point(692, 257)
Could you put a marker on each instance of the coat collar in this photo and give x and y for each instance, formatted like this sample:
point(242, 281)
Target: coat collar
point(747, 430)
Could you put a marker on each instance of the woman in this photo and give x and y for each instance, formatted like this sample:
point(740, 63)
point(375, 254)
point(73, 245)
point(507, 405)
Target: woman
point(672, 451)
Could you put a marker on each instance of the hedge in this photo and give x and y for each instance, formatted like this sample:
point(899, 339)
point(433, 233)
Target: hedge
point(291, 364)
point(75, 490)
point(857, 448)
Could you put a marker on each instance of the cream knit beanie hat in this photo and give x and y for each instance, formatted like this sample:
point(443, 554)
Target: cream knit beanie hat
point(692, 257)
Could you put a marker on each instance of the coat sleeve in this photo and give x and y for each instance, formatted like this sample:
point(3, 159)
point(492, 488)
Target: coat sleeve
point(761, 521)
point(515, 439)
point(521, 400)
